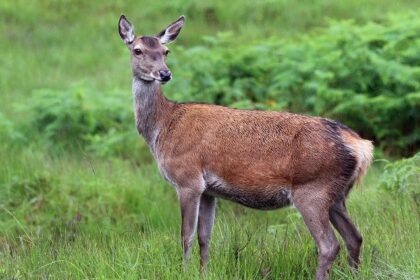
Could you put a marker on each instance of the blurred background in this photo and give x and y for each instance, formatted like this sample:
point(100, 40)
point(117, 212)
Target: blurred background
point(74, 174)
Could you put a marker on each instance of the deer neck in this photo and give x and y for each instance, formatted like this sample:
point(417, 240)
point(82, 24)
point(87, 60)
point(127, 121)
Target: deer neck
point(151, 109)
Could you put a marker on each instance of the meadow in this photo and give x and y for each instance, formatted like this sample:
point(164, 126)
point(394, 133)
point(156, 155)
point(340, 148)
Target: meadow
point(80, 195)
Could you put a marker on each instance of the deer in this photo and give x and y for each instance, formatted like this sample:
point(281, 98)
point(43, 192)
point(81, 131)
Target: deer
point(260, 159)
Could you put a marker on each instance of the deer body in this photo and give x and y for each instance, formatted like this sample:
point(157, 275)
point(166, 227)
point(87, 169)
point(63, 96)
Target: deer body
point(263, 160)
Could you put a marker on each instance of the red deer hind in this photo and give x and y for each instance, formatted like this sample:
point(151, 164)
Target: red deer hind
point(263, 160)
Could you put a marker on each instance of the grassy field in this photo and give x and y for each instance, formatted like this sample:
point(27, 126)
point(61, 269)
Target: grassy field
point(86, 218)
point(68, 213)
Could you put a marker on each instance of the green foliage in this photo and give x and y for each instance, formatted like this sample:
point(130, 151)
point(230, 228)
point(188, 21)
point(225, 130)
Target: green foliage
point(9, 133)
point(402, 175)
point(84, 118)
point(367, 77)
point(62, 117)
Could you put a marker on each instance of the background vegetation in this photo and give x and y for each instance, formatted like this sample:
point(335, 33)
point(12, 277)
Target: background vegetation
point(80, 196)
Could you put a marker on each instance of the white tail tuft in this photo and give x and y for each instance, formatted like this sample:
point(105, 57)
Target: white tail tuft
point(363, 150)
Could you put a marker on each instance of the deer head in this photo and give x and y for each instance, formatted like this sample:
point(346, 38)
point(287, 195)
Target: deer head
point(148, 53)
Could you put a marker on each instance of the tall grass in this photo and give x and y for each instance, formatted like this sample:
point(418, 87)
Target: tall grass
point(85, 218)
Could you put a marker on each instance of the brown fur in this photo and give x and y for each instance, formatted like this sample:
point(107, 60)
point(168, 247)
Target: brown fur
point(275, 149)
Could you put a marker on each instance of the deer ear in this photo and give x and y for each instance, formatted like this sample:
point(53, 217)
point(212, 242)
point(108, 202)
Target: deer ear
point(170, 33)
point(126, 30)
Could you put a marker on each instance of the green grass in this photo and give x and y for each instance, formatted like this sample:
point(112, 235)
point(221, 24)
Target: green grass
point(77, 217)
point(66, 214)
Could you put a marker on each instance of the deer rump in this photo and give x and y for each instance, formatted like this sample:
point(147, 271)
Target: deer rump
point(258, 158)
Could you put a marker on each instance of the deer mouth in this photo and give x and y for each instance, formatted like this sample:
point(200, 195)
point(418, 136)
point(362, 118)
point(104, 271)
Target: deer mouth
point(162, 81)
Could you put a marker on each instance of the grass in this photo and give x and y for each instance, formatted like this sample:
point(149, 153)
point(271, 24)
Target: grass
point(85, 218)
point(70, 215)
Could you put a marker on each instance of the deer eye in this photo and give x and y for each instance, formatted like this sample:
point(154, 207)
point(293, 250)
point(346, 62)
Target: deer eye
point(137, 51)
point(167, 52)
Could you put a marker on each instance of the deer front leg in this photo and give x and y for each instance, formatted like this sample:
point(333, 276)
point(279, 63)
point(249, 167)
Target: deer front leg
point(205, 225)
point(190, 202)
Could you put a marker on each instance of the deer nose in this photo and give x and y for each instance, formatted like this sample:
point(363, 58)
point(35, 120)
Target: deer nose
point(165, 75)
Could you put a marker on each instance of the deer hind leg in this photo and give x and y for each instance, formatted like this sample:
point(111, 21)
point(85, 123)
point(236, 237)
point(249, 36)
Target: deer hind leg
point(313, 204)
point(340, 219)
point(205, 225)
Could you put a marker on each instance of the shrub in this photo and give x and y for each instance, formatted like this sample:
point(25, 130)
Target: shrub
point(81, 117)
point(63, 117)
point(402, 175)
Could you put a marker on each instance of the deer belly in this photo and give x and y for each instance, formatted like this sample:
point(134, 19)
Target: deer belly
point(263, 198)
